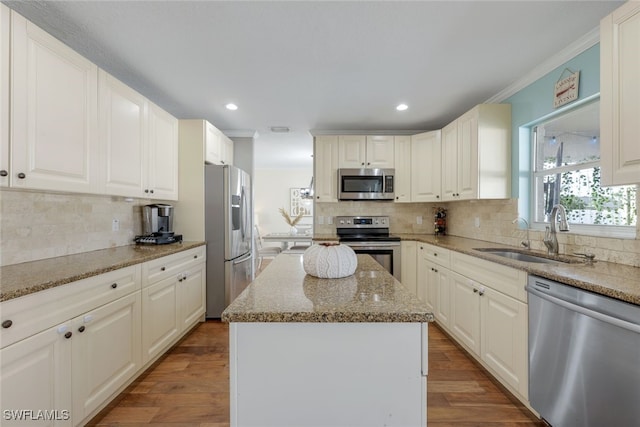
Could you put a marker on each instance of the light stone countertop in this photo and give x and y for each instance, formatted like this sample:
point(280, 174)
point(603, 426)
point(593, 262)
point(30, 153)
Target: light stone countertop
point(618, 281)
point(23, 279)
point(283, 292)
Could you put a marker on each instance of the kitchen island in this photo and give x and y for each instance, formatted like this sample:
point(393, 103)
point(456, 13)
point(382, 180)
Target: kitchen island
point(327, 352)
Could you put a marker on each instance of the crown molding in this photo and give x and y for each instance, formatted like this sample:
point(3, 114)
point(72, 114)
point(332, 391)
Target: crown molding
point(574, 49)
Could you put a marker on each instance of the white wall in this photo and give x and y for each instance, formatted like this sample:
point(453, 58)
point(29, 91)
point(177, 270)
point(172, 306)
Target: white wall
point(272, 191)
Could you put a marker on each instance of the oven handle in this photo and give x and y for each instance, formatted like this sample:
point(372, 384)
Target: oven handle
point(371, 244)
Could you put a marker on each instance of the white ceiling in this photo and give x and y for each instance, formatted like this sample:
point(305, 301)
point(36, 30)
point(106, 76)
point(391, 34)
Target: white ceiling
point(316, 65)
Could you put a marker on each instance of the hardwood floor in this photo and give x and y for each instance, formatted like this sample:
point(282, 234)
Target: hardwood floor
point(189, 387)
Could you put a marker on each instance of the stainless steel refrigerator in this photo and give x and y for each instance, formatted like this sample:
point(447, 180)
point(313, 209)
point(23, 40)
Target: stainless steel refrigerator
point(228, 234)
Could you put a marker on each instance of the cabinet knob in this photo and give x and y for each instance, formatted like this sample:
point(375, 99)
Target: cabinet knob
point(114, 285)
point(7, 324)
point(195, 256)
point(22, 175)
point(481, 292)
point(146, 190)
point(475, 291)
point(151, 191)
point(435, 254)
point(4, 173)
point(68, 335)
point(81, 329)
point(437, 196)
point(163, 268)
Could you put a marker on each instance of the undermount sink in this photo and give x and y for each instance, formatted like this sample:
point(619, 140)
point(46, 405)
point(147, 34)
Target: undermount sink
point(520, 255)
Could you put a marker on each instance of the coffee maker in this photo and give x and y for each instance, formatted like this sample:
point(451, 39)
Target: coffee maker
point(157, 225)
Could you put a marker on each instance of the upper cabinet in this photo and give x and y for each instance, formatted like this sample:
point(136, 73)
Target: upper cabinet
point(5, 36)
point(219, 148)
point(425, 167)
point(53, 113)
point(162, 155)
point(620, 95)
point(325, 174)
point(402, 177)
point(476, 154)
point(359, 151)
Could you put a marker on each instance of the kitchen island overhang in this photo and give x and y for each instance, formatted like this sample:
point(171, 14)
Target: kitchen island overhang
point(327, 352)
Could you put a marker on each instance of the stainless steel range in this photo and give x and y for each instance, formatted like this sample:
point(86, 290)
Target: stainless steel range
point(370, 235)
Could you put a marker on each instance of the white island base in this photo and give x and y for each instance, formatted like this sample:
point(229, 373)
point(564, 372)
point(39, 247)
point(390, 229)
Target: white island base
point(328, 374)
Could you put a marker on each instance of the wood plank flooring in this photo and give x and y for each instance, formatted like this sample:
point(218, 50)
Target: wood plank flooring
point(189, 387)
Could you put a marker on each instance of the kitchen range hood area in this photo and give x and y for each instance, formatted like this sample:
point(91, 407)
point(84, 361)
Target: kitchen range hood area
point(125, 229)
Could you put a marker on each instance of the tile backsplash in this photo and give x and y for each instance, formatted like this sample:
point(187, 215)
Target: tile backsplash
point(495, 225)
point(36, 225)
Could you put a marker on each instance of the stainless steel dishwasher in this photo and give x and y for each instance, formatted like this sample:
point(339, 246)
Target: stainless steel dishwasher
point(584, 357)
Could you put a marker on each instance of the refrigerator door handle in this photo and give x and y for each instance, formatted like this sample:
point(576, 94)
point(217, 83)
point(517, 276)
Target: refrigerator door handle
point(242, 259)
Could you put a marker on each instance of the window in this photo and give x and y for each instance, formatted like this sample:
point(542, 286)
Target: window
point(566, 170)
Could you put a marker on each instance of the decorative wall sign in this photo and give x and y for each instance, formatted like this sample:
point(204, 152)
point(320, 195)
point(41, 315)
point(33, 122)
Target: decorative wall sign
point(566, 88)
point(298, 205)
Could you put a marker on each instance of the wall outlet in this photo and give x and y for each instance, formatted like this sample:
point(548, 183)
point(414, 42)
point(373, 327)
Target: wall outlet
point(419, 220)
point(320, 220)
point(115, 224)
point(329, 220)
point(476, 222)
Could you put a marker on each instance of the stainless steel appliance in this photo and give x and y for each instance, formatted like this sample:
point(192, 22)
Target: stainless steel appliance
point(228, 235)
point(366, 184)
point(157, 225)
point(584, 356)
point(370, 235)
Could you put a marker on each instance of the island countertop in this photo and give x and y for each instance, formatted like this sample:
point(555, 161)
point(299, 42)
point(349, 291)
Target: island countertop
point(285, 293)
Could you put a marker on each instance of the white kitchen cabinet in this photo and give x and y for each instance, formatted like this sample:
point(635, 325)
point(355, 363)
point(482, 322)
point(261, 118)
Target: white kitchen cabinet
point(5, 38)
point(433, 279)
point(160, 317)
point(36, 375)
point(409, 266)
point(426, 167)
point(360, 151)
point(620, 95)
point(162, 155)
point(106, 353)
point(54, 144)
point(403, 168)
point(465, 311)
point(325, 174)
point(227, 150)
point(192, 303)
point(219, 148)
point(123, 124)
point(503, 345)
point(476, 154)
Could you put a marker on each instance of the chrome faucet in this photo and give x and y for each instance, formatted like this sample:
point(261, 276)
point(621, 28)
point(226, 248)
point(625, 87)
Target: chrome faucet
point(525, 243)
point(550, 240)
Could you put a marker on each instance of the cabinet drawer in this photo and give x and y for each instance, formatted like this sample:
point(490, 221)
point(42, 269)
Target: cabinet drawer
point(161, 268)
point(36, 312)
point(435, 254)
point(509, 281)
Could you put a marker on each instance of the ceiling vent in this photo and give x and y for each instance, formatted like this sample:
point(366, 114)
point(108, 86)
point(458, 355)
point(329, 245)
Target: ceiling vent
point(280, 129)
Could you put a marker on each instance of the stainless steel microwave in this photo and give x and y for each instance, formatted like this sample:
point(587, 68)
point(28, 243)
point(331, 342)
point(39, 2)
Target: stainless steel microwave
point(366, 184)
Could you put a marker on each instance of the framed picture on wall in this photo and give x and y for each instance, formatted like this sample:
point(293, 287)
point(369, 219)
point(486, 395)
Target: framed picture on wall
point(298, 204)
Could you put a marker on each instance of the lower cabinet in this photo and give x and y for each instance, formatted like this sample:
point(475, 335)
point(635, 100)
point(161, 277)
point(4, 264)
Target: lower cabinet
point(465, 311)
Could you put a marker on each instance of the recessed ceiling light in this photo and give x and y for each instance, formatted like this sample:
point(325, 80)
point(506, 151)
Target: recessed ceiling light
point(402, 107)
point(279, 129)
point(232, 107)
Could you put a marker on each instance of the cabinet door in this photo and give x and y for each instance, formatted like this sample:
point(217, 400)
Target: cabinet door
point(106, 352)
point(427, 280)
point(227, 150)
point(465, 311)
point(504, 338)
point(5, 27)
point(467, 181)
point(426, 167)
point(442, 280)
point(380, 152)
point(159, 317)
point(352, 151)
point(326, 168)
point(450, 161)
point(213, 145)
point(403, 168)
point(620, 95)
point(54, 113)
point(409, 265)
point(191, 294)
point(123, 136)
point(35, 375)
point(162, 154)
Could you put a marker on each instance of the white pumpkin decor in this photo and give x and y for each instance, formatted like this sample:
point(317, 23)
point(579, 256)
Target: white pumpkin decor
point(329, 261)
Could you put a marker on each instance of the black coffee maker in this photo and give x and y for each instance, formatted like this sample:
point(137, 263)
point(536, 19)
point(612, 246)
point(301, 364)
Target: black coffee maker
point(157, 225)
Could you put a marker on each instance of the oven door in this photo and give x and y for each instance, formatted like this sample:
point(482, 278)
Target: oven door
point(387, 254)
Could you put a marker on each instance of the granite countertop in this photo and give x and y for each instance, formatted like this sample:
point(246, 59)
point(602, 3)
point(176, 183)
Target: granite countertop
point(614, 280)
point(23, 279)
point(285, 293)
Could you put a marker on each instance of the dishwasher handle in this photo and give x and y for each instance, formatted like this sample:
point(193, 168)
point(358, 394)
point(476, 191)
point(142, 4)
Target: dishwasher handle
point(582, 310)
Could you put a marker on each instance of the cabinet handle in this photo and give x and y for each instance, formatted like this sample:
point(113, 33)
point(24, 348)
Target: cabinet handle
point(435, 270)
point(163, 268)
point(7, 324)
point(435, 254)
point(481, 292)
point(195, 256)
point(475, 291)
point(151, 191)
point(437, 196)
point(81, 329)
point(22, 175)
point(114, 285)
point(68, 335)
point(4, 173)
